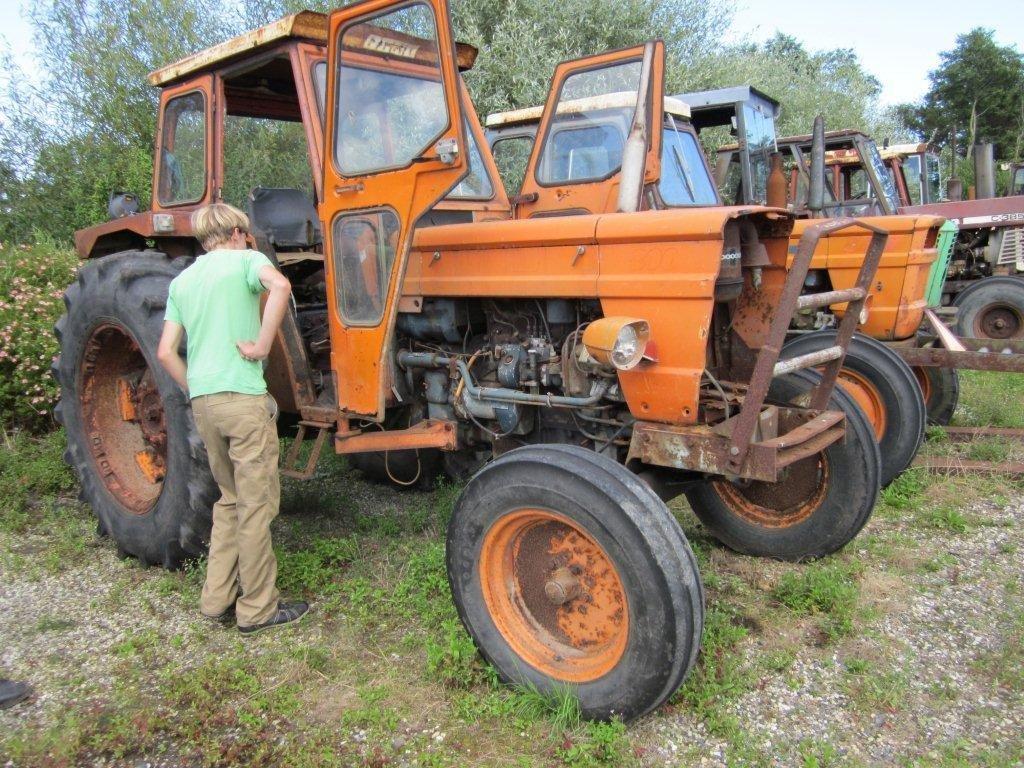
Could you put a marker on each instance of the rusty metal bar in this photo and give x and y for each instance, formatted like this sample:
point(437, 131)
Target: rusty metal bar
point(852, 316)
point(815, 300)
point(429, 433)
point(967, 434)
point(954, 465)
point(304, 473)
point(810, 360)
point(768, 355)
point(936, 357)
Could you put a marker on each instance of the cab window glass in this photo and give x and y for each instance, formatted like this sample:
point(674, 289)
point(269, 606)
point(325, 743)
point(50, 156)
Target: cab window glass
point(364, 247)
point(585, 138)
point(759, 130)
point(912, 177)
point(390, 100)
point(933, 179)
point(582, 154)
point(183, 151)
point(512, 155)
point(1018, 181)
point(858, 186)
point(731, 188)
point(320, 87)
point(477, 184)
point(684, 176)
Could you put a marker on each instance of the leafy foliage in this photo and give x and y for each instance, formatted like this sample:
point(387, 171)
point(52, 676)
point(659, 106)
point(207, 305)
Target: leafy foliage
point(32, 281)
point(977, 93)
point(87, 129)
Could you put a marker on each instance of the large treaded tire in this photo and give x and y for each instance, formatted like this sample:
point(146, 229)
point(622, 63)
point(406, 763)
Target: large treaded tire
point(645, 549)
point(128, 291)
point(808, 529)
point(992, 308)
point(889, 384)
point(941, 389)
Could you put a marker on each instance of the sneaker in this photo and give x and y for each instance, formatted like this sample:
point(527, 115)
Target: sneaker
point(11, 692)
point(287, 613)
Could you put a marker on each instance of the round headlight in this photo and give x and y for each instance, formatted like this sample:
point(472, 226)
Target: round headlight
point(617, 341)
point(629, 346)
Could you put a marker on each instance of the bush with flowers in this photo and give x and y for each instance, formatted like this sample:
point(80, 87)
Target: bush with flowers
point(32, 283)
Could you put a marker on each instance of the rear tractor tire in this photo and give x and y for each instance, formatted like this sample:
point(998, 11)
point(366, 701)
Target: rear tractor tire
point(132, 441)
point(568, 571)
point(818, 506)
point(993, 308)
point(885, 388)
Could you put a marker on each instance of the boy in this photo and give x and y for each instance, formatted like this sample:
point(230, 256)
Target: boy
point(216, 303)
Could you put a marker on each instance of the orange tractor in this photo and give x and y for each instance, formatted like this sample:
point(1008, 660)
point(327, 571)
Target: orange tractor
point(579, 368)
point(881, 383)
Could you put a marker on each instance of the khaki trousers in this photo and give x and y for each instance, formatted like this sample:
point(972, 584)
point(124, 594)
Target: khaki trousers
point(240, 434)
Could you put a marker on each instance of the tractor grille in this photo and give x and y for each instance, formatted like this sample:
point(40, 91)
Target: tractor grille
point(1011, 249)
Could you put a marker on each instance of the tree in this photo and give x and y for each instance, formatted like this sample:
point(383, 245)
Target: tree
point(976, 94)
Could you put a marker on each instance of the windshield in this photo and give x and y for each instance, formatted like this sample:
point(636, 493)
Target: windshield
point(1017, 187)
point(684, 175)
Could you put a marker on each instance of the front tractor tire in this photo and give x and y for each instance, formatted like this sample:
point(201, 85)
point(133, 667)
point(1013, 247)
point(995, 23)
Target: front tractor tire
point(818, 506)
point(884, 387)
point(569, 572)
point(132, 441)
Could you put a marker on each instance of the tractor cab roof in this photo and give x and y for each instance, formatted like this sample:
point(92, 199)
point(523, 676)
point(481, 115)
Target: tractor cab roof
point(622, 99)
point(719, 106)
point(305, 26)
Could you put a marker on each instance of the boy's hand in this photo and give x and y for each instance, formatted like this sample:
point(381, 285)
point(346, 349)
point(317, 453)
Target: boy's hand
point(251, 350)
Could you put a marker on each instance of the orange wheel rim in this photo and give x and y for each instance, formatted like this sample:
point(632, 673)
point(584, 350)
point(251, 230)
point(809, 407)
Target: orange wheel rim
point(785, 503)
point(123, 417)
point(867, 396)
point(555, 595)
point(924, 381)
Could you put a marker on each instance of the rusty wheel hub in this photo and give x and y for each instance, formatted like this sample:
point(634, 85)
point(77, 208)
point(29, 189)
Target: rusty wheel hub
point(123, 417)
point(999, 321)
point(791, 500)
point(554, 594)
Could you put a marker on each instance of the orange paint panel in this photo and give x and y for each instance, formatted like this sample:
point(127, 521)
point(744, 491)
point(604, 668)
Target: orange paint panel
point(666, 390)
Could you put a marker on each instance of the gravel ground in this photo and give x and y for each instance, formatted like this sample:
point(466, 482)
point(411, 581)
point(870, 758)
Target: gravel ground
point(930, 633)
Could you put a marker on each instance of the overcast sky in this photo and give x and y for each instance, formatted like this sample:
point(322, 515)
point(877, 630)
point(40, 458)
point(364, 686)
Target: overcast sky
point(898, 41)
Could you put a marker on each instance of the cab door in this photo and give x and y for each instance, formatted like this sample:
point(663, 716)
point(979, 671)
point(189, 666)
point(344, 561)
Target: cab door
point(594, 106)
point(395, 146)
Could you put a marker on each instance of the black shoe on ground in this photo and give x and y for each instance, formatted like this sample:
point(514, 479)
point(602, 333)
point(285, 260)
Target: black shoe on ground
point(11, 692)
point(287, 613)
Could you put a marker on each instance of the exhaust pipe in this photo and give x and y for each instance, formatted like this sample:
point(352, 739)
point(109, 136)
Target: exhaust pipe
point(816, 189)
point(634, 154)
point(984, 171)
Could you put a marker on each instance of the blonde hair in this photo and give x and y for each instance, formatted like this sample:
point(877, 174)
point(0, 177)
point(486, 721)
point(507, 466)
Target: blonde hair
point(215, 223)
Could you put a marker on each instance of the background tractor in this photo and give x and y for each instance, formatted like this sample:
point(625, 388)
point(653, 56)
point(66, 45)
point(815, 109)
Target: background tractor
point(580, 369)
point(983, 278)
point(875, 377)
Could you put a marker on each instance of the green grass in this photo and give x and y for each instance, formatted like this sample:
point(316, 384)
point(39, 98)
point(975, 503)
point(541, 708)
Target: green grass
point(32, 471)
point(827, 590)
point(872, 689)
point(991, 399)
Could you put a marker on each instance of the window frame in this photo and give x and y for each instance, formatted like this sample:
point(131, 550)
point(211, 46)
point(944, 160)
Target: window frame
point(367, 65)
point(191, 90)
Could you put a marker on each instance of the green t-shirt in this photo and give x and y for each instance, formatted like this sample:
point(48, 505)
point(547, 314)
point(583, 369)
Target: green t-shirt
point(217, 300)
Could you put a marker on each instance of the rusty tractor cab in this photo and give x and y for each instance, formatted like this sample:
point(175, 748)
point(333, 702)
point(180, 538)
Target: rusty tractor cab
point(578, 365)
point(877, 380)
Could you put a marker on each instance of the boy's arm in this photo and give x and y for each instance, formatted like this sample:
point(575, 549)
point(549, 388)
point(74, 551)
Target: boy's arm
point(273, 313)
point(167, 353)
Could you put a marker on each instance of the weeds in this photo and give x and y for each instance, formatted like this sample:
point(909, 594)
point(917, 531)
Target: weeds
point(821, 589)
point(871, 689)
